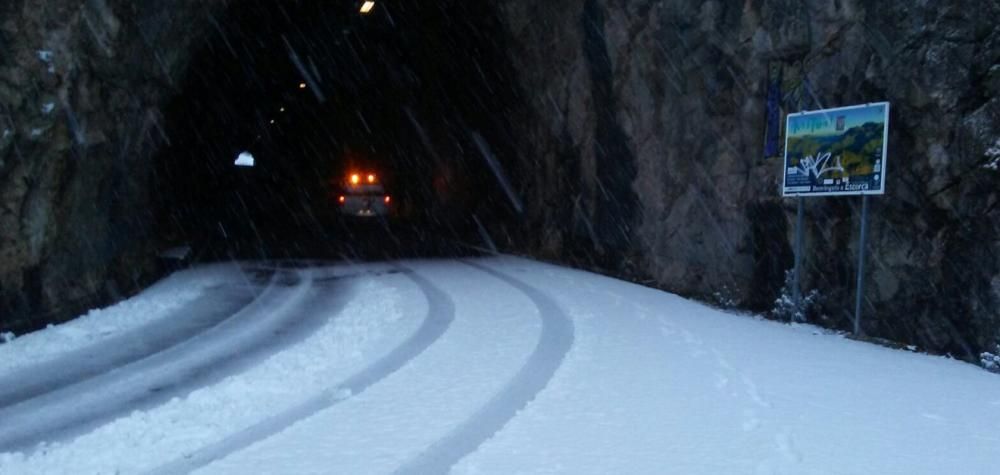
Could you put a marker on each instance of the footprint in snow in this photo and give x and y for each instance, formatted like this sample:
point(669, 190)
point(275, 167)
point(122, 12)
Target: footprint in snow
point(750, 420)
point(720, 360)
point(934, 417)
point(784, 444)
point(689, 338)
point(751, 390)
point(667, 329)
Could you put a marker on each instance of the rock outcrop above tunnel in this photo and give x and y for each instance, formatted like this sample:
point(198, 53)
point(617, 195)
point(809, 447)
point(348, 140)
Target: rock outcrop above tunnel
point(81, 84)
point(644, 152)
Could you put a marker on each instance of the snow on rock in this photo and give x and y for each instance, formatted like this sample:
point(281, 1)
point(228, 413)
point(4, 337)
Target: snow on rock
point(178, 253)
point(991, 361)
point(993, 157)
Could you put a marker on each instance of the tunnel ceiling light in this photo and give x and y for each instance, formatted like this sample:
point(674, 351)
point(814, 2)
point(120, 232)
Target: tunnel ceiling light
point(367, 7)
point(281, 110)
point(244, 159)
point(302, 85)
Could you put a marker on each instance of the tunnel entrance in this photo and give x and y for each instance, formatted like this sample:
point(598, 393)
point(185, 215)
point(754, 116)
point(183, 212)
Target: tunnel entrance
point(315, 90)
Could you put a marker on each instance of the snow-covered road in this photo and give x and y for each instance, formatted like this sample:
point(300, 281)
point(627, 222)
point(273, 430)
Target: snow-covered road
point(497, 365)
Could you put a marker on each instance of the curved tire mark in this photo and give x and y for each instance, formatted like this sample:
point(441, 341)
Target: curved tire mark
point(554, 342)
point(133, 345)
point(74, 409)
point(440, 314)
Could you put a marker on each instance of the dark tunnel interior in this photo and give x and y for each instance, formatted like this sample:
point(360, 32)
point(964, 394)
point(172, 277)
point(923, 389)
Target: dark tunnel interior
point(417, 92)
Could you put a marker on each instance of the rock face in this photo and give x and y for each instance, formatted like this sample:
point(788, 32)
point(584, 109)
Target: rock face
point(80, 88)
point(644, 146)
point(641, 149)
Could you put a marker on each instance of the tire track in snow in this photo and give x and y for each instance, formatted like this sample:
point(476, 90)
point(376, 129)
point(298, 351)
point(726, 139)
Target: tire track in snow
point(440, 314)
point(236, 343)
point(556, 339)
point(101, 357)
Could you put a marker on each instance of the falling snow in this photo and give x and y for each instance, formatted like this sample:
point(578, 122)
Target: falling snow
point(182, 185)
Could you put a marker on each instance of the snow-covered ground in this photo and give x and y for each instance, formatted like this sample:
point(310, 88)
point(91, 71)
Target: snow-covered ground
point(164, 299)
point(497, 365)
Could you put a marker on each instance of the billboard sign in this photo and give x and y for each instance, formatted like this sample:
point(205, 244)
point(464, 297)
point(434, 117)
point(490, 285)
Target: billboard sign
point(838, 151)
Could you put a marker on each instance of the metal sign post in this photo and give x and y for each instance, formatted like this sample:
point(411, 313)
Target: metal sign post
point(797, 282)
point(835, 152)
point(860, 291)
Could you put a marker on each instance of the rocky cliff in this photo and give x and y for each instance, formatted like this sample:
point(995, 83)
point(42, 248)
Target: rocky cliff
point(641, 149)
point(81, 84)
point(644, 147)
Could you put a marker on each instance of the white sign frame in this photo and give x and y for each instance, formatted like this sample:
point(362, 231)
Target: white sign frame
point(881, 172)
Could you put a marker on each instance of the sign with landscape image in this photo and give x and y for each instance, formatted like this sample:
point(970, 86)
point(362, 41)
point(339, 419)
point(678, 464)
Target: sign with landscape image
point(838, 151)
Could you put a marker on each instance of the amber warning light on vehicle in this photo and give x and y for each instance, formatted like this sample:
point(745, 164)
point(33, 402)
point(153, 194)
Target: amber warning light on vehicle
point(355, 179)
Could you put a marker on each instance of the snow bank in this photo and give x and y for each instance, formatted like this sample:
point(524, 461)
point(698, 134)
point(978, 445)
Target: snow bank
point(154, 303)
point(145, 439)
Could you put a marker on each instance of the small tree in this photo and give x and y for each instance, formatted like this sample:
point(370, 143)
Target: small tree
point(725, 298)
point(785, 306)
point(991, 361)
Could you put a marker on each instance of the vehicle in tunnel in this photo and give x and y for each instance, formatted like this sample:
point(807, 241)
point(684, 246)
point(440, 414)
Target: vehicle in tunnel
point(363, 194)
point(671, 308)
